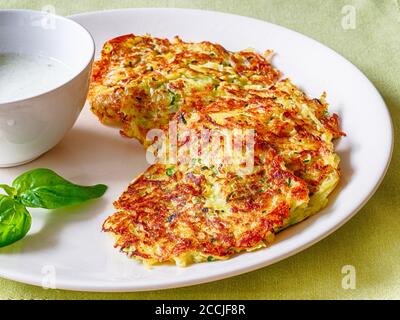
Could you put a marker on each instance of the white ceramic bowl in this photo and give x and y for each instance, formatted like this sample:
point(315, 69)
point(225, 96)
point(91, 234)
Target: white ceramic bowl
point(32, 126)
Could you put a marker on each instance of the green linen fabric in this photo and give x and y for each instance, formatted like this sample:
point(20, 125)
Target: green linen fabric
point(369, 242)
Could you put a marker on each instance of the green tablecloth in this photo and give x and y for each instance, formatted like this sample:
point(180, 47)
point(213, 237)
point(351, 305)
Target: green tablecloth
point(369, 242)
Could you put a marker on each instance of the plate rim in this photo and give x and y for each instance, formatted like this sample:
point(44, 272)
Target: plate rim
point(168, 284)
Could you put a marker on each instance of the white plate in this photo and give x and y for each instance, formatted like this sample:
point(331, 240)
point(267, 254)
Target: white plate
point(65, 248)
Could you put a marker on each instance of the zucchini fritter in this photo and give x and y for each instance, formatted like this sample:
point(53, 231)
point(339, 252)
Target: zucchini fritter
point(141, 82)
point(194, 211)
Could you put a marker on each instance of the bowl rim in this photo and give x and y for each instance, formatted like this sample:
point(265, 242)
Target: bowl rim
point(76, 71)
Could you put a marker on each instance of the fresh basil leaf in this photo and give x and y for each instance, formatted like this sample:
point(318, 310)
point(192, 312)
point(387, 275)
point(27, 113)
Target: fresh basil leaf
point(43, 188)
point(15, 221)
point(9, 190)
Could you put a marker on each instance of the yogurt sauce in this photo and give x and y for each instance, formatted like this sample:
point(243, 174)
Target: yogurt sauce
point(23, 76)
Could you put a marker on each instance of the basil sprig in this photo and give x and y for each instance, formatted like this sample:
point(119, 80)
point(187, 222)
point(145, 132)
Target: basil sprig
point(39, 188)
point(43, 188)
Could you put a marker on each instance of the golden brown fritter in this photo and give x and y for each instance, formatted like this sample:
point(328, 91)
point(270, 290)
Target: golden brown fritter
point(141, 82)
point(197, 211)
